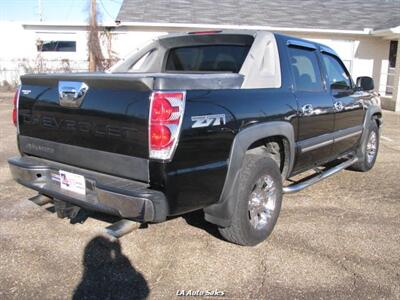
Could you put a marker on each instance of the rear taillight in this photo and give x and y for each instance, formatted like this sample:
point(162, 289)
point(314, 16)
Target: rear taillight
point(15, 108)
point(166, 114)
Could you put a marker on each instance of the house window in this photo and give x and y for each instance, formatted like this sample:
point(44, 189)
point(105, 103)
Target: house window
point(393, 53)
point(56, 46)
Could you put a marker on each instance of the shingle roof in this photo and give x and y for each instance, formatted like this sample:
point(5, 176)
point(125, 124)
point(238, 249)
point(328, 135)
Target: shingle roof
point(328, 14)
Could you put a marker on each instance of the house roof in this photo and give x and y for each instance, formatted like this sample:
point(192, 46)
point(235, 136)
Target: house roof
point(321, 14)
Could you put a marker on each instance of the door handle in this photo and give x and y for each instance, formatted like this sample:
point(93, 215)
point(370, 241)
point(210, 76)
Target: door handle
point(338, 106)
point(307, 109)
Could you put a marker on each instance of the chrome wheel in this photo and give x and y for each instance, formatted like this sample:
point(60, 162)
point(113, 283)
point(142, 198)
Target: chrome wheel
point(371, 147)
point(262, 202)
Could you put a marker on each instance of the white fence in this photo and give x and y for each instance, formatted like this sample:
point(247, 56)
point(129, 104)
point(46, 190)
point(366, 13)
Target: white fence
point(12, 69)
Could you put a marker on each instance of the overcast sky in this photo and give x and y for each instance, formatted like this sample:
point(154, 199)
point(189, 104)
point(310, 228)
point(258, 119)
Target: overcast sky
point(56, 10)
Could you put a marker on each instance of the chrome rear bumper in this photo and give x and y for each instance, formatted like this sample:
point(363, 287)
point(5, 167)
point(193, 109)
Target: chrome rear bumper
point(109, 194)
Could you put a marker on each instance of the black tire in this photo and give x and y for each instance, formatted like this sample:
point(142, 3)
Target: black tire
point(256, 170)
point(366, 161)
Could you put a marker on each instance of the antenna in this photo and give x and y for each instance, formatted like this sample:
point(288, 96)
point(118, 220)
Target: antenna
point(40, 9)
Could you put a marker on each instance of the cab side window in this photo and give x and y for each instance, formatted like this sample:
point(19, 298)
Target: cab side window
point(305, 69)
point(339, 78)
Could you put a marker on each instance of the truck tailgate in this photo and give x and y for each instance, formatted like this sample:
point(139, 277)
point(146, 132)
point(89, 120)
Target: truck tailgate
point(107, 131)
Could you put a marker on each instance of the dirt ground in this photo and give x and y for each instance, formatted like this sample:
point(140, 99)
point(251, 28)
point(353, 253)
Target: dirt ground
point(337, 239)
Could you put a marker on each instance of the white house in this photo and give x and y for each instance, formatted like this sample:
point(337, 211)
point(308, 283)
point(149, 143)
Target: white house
point(364, 33)
point(59, 47)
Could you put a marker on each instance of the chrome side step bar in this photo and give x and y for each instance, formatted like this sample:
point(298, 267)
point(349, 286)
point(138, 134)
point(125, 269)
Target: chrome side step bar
point(296, 187)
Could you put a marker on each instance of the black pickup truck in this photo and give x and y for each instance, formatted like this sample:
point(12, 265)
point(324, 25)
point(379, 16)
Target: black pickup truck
point(220, 121)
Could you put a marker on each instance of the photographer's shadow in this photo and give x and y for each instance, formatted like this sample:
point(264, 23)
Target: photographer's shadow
point(108, 273)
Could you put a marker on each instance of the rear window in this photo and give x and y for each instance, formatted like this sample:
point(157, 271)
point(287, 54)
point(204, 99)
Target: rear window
point(212, 58)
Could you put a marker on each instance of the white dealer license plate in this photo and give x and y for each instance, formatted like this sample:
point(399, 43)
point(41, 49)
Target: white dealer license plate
point(72, 182)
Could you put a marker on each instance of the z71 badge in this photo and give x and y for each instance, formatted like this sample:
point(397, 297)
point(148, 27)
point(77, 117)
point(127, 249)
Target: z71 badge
point(208, 120)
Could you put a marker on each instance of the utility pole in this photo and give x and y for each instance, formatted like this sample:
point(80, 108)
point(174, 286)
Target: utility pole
point(92, 32)
point(96, 59)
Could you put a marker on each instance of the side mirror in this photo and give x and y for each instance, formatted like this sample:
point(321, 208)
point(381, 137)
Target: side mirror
point(365, 83)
